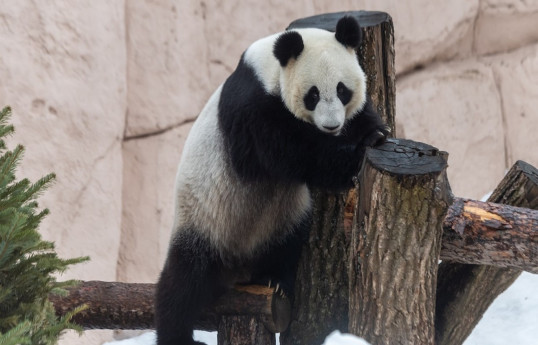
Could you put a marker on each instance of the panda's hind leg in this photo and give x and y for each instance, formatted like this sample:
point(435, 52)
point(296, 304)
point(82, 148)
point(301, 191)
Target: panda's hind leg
point(277, 265)
point(189, 281)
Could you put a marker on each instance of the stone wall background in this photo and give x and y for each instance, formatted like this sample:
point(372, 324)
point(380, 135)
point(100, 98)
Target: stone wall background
point(104, 94)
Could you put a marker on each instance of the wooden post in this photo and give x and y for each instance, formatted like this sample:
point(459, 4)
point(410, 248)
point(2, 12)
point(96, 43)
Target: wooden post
point(396, 240)
point(321, 292)
point(464, 292)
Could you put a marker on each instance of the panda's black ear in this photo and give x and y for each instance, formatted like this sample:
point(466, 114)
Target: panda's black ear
point(288, 45)
point(348, 32)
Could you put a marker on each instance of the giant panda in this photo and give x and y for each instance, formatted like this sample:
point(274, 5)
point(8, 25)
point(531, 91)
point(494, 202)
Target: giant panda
point(293, 115)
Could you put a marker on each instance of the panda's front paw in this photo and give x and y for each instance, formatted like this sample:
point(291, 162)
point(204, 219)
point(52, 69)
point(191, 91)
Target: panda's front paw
point(377, 136)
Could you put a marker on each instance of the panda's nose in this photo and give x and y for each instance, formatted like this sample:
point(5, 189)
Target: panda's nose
point(330, 128)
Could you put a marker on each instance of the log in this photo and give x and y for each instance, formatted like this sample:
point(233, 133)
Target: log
point(113, 305)
point(491, 234)
point(396, 240)
point(321, 291)
point(468, 290)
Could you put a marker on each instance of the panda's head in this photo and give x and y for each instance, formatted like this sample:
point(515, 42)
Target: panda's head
point(321, 81)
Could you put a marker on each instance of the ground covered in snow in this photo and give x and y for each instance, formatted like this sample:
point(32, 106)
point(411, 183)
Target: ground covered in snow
point(511, 319)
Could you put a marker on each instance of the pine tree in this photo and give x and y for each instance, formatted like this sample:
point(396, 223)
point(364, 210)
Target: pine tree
point(27, 263)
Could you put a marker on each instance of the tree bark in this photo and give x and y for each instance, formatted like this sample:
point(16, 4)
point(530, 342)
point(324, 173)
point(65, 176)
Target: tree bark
point(491, 234)
point(468, 290)
point(396, 241)
point(243, 330)
point(114, 305)
point(321, 292)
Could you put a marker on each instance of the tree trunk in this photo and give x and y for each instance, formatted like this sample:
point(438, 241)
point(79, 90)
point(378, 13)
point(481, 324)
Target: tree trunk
point(321, 292)
point(396, 240)
point(468, 290)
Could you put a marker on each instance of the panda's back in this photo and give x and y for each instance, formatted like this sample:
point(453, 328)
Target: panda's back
point(238, 217)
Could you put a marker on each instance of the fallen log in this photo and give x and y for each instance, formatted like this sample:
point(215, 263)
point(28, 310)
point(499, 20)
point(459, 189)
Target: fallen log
point(113, 305)
point(486, 233)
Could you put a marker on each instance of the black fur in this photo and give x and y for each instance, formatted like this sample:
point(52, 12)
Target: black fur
point(288, 45)
point(267, 142)
point(348, 32)
point(194, 276)
point(311, 98)
point(189, 281)
point(344, 94)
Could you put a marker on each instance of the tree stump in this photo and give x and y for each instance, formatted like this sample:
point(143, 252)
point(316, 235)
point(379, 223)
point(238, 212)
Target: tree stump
point(396, 241)
point(464, 292)
point(321, 292)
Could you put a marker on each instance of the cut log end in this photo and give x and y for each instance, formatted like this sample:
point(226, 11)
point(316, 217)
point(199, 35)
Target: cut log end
point(328, 21)
point(407, 157)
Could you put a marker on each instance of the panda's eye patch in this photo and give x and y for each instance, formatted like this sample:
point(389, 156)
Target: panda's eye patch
point(344, 94)
point(311, 98)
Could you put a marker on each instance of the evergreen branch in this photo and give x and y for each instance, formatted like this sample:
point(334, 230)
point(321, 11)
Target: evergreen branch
point(27, 263)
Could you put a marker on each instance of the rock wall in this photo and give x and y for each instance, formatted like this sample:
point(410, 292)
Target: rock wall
point(104, 94)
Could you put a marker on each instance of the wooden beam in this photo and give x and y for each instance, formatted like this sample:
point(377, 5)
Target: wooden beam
point(491, 234)
point(113, 305)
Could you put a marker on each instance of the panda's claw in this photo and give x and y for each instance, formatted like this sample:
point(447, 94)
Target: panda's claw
point(269, 284)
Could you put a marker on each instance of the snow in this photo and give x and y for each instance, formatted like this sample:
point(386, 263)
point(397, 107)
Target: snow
point(337, 338)
point(511, 319)
point(144, 339)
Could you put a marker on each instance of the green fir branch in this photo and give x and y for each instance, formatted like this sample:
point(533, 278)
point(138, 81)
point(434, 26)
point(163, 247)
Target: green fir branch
point(28, 265)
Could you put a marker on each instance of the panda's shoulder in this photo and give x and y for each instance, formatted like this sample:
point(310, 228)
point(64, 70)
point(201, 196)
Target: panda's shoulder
point(260, 59)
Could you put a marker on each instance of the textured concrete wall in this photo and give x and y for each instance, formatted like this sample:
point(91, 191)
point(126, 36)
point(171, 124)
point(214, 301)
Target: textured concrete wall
point(104, 94)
